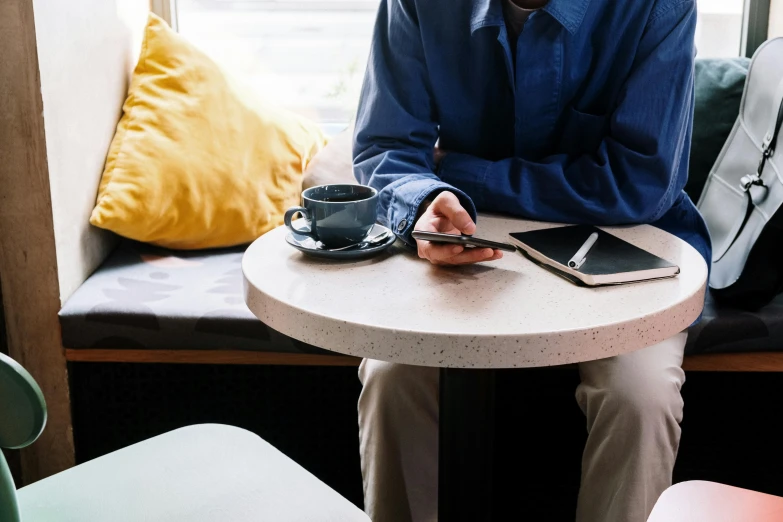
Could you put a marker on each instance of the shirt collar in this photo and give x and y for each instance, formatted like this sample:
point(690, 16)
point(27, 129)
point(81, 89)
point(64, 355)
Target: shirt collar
point(568, 12)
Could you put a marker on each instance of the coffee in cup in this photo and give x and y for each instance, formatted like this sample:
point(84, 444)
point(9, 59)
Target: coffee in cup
point(336, 215)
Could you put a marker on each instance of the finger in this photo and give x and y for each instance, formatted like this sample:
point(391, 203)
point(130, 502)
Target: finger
point(444, 226)
point(497, 255)
point(430, 250)
point(436, 253)
point(471, 255)
point(449, 206)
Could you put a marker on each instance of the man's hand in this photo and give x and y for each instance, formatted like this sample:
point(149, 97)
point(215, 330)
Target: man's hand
point(446, 215)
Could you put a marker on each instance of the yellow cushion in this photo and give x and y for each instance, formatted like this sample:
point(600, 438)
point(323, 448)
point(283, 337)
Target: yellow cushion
point(197, 160)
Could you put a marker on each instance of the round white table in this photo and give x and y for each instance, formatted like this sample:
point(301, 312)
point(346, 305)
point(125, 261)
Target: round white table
point(503, 314)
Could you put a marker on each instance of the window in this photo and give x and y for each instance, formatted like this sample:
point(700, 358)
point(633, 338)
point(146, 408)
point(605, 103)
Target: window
point(308, 55)
point(719, 28)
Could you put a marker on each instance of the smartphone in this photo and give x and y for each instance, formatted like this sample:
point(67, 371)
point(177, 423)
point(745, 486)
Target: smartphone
point(467, 241)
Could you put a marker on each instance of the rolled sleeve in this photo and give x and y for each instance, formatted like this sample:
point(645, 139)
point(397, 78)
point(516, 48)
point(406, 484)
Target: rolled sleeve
point(396, 123)
point(408, 197)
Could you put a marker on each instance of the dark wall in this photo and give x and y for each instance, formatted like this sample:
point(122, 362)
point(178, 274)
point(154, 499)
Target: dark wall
point(309, 413)
point(731, 433)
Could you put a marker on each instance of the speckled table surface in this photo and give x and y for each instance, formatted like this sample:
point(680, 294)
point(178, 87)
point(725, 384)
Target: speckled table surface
point(504, 314)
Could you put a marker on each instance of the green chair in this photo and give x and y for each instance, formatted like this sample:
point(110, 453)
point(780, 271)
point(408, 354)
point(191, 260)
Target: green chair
point(203, 473)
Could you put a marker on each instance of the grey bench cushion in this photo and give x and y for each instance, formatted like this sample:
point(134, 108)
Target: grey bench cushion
point(718, 84)
point(146, 297)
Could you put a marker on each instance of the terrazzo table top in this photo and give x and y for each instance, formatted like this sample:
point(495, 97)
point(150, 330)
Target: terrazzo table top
point(503, 314)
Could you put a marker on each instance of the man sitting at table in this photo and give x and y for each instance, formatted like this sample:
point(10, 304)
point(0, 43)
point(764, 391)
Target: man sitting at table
point(574, 111)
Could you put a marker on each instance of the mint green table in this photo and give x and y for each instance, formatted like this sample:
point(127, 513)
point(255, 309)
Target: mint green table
point(203, 473)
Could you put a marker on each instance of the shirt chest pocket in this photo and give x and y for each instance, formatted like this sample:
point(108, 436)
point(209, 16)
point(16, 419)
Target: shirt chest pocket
point(582, 132)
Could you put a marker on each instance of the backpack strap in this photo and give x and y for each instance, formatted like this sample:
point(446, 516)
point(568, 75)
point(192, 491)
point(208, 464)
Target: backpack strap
point(767, 150)
point(770, 139)
point(753, 184)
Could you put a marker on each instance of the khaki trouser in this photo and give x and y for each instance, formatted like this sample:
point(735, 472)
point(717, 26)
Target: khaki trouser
point(633, 407)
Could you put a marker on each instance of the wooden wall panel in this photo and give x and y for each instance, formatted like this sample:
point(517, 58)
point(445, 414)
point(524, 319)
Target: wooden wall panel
point(28, 263)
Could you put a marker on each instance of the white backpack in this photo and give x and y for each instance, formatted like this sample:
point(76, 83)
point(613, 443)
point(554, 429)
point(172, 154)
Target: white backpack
point(744, 191)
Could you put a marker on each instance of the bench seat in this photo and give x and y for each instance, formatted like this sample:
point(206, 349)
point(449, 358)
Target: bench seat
point(149, 298)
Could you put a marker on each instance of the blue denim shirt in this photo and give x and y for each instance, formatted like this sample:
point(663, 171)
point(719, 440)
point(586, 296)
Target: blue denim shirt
point(590, 124)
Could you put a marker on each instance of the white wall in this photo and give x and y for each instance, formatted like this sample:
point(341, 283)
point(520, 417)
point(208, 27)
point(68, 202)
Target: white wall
point(87, 50)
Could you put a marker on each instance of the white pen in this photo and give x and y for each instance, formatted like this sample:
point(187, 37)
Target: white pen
point(581, 254)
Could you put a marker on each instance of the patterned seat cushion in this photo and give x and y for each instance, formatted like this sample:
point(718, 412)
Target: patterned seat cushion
point(152, 298)
point(726, 330)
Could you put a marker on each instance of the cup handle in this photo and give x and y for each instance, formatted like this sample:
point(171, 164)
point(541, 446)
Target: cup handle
point(289, 215)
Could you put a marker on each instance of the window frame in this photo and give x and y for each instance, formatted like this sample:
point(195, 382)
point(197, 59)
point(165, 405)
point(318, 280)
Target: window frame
point(166, 9)
point(755, 26)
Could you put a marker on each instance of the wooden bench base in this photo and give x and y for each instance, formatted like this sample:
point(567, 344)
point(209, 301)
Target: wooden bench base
point(735, 362)
point(730, 362)
point(209, 357)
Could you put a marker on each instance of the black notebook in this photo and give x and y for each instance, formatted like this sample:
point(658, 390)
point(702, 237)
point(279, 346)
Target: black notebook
point(610, 261)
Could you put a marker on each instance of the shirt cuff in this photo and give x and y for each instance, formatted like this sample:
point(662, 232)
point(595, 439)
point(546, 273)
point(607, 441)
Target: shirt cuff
point(407, 198)
point(467, 173)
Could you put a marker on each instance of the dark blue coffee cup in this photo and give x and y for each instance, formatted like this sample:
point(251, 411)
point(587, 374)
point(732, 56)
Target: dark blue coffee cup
point(336, 215)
